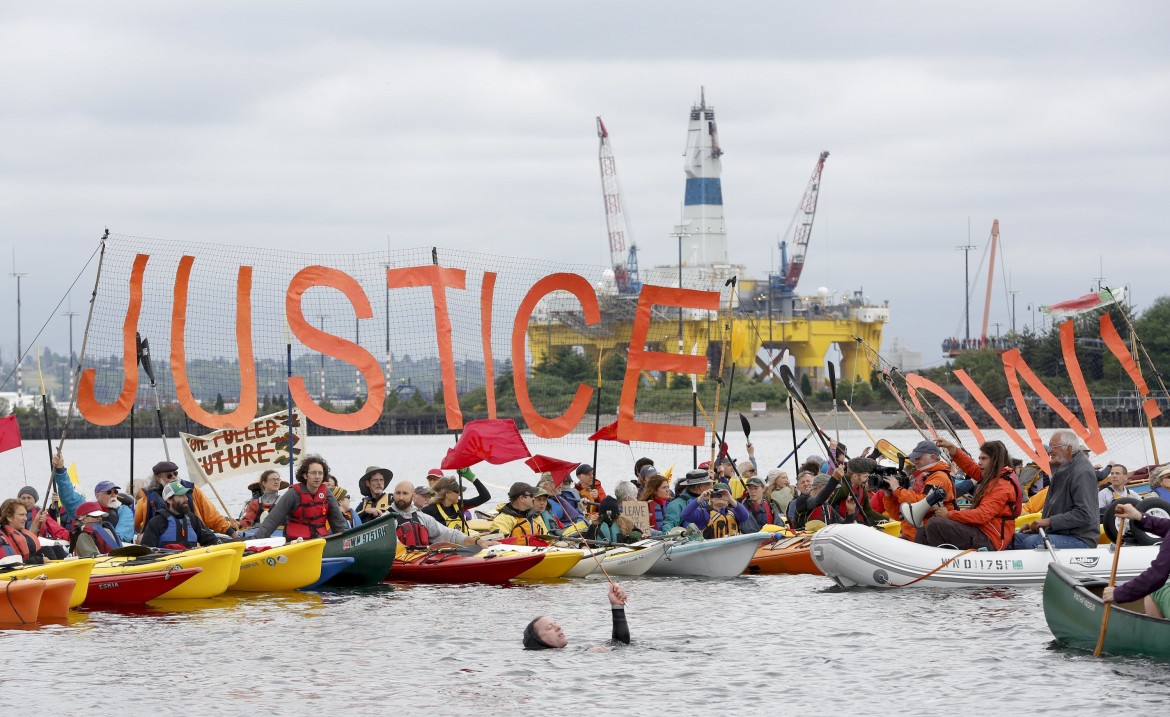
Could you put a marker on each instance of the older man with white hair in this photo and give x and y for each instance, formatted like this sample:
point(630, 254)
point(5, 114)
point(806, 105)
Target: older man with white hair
point(1070, 517)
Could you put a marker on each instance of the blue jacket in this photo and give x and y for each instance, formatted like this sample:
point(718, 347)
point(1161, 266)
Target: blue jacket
point(674, 510)
point(559, 505)
point(70, 499)
point(698, 513)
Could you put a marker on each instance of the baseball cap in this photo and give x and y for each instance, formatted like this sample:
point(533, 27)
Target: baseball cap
point(105, 487)
point(91, 508)
point(173, 489)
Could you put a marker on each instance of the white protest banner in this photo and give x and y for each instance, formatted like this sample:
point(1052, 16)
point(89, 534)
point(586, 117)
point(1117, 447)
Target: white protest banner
point(638, 511)
point(261, 444)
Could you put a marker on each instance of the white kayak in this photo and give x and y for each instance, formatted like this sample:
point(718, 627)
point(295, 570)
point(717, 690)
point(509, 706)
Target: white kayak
point(634, 559)
point(857, 555)
point(717, 558)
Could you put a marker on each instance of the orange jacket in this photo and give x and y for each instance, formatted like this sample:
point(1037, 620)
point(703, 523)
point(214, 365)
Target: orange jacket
point(595, 494)
point(936, 475)
point(211, 517)
point(1035, 504)
point(995, 514)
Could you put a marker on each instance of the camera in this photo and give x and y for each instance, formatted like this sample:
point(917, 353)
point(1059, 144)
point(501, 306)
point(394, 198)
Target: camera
point(877, 479)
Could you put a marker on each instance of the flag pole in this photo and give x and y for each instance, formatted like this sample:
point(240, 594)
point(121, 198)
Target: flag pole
point(84, 338)
point(48, 439)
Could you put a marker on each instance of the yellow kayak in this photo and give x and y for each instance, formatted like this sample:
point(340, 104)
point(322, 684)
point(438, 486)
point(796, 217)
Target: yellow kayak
point(78, 570)
point(219, 562)
point(557, 561)
point(288, 567)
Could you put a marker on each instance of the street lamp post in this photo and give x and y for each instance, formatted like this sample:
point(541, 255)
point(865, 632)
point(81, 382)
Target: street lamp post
point(321, 320)
point(19, 345)
point(70, 315)
point(966, 249)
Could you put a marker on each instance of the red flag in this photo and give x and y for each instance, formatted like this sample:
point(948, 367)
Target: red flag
point(494, 440)
point(9, 433)
point(608, 433)
point(558, 468)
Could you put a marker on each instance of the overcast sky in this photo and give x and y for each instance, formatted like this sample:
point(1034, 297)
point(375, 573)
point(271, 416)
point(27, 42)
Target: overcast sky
point(470, 125)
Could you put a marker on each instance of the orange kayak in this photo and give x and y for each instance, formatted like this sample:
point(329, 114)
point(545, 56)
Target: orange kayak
point(786, 556)
point(55, 600)
point(20, 601)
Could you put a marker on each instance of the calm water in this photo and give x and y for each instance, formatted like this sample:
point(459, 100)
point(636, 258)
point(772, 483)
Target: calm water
point(761, 643)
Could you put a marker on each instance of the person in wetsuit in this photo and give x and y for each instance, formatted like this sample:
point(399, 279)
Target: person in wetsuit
point(543, 633)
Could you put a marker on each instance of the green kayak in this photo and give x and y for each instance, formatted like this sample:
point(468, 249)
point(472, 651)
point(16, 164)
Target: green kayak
point(371, 545)
point(1074, 609)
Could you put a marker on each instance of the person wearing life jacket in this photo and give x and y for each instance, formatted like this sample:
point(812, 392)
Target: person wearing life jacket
point(1116, 490)
point(610, 525)
point(308, 509)
point(375, 499)
point(14, 538)
point(814, 506)
point(92, 535)
point(762, 509)
point(46, 527)
point(656, 494)
point(150, 501)
point(177, 525)
point(516, 520)
point(105, 493)
point(800, 497)
point(716, 513)
point(268, 488)
point(352, 518)
point(540, 509)
point(416, 529)
point(588, 487)
point(851, 500)
point(931, 471)
point(562, 506)
point(444, 504)
point(695, 483)
point(990, 522)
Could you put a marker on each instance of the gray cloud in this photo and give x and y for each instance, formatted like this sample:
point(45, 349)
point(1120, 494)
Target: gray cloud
point(467, 125)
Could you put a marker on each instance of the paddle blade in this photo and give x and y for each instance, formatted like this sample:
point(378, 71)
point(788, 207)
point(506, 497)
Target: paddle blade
point(833, 380)
point(144, 357)
point(747, 427)
point(789, 380)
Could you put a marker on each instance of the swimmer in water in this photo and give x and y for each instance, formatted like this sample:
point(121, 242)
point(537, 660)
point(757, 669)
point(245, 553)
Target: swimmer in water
point(543, 633)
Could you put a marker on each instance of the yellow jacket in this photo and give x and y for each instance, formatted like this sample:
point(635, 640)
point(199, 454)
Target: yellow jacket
point(510, 523)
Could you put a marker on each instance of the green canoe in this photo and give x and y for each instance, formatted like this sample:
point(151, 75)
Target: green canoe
point(1074, 609)
point(371, 545)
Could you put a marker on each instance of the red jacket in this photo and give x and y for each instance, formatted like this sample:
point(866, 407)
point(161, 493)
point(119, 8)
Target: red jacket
point(996, 512)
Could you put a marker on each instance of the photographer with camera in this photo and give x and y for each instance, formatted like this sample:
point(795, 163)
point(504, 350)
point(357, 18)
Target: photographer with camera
point(991, 520)
point(852, 498)
point(931, 471)
point(717, 514)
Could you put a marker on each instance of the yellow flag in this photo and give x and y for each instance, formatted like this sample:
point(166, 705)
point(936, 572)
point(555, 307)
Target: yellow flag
point(73, 475)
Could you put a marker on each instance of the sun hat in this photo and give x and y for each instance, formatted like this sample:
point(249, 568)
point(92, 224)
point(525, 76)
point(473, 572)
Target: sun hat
point(695, 477)
point(364, 481)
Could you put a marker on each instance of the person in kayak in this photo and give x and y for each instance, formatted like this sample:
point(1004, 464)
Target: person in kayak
point(14, 539)
point(92, 534)
point(308, 509)
point(1070, 513)
point(656, 493)
point(106, 493)
point(45, 526)
point(416, 529)
point(800, 497)
point(540, 509)
point(268, 487)
point(516, 519)
point(352, 518)
point(176, 525)
point(149, 500)
point(588, 487)
point(610, 525)
point(372, 485)
point(694, 484)
point(717, 514)
point(761, 508)
point(543, 633)
point(444, 505)
point(1151, 586)
point(1116, 490)
point(851, 499)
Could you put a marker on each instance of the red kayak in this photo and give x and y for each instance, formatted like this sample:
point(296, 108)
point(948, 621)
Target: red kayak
point(135, 588)
point(449, 567)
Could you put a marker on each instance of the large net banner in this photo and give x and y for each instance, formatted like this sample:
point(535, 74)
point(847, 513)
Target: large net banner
point(410, 340)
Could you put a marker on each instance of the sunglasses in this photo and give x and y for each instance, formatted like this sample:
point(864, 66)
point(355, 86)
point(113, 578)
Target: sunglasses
point(524, 495)
point(112, 491)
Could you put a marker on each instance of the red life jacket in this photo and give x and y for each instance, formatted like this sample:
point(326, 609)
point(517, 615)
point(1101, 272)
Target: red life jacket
point(18, 541)
point(310, 519)
point(412, 533)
